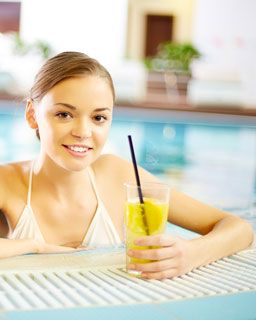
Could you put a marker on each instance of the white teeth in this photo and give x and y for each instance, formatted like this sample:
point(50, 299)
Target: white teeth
point(78, 149)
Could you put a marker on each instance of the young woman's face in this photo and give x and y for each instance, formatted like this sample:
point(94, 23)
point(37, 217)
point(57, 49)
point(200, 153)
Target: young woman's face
point(74, 119)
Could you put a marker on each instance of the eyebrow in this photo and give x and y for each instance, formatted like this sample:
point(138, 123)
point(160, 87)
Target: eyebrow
point(70, 106)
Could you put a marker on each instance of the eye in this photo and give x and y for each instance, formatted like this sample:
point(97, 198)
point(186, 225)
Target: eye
point(64, 115)
point(100, 118)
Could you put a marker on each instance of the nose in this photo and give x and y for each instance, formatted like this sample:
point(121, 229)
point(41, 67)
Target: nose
point(82, 129)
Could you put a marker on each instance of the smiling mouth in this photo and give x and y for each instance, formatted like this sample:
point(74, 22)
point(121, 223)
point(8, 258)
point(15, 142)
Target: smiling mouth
point(77, 148)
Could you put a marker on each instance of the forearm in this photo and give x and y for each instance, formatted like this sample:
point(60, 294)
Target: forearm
point(228, 236)
point(10, 248)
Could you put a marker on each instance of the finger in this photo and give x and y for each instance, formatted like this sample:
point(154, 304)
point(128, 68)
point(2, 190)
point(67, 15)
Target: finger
point(154, 266)
point(166, 274)
point(161, 240)
point(153, 254)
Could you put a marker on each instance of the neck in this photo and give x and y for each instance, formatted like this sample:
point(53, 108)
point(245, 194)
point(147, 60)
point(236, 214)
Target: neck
point(59, 182)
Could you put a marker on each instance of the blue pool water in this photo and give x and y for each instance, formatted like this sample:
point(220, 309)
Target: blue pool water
point(212, 159)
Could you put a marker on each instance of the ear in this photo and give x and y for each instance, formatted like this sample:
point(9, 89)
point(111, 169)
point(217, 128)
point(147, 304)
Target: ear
point(30, 115)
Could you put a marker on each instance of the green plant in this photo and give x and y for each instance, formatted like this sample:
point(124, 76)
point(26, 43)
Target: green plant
point(21, 47)
point(173, 56)
point(43, 48)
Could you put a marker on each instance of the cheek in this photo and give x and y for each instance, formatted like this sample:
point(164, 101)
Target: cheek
point(50, 131)
point(102, 134)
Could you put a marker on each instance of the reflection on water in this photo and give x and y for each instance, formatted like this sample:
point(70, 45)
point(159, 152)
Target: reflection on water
point(215, 164)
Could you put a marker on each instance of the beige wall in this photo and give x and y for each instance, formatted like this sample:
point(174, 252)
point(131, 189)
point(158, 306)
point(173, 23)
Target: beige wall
point(182, 10)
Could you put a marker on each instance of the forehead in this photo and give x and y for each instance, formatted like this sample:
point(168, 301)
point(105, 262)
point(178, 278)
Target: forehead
point(79, 91)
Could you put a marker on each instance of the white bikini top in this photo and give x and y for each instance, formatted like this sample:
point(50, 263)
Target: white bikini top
point(101, 231)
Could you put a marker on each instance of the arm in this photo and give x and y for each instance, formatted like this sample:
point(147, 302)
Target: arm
point(10, 247)
point(228, 236)
point(222, 234)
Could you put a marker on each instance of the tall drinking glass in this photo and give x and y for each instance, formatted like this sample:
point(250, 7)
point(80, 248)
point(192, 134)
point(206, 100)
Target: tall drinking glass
point(145, 218)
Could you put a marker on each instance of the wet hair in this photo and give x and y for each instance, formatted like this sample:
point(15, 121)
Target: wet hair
point(65, 65)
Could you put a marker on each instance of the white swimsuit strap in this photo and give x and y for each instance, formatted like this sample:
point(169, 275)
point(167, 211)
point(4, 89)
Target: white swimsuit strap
point(30, 184)
point(92, 179)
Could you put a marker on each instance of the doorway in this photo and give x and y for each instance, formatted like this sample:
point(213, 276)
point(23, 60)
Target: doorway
point(9, 16)
point(159, 28)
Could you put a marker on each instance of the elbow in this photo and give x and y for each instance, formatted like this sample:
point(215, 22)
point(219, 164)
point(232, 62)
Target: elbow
point(240, 230)
point(246, 230)
point(249, 231)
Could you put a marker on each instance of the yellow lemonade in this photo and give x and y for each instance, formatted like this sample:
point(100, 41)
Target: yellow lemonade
point(144, 219)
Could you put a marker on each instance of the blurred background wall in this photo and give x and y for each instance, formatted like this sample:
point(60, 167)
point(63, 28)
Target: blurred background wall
point(224, 31)
point(122, 33)
point(93, 26)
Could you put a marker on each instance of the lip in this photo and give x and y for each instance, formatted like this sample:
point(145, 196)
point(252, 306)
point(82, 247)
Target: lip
point(78, 154)
point(77, 145)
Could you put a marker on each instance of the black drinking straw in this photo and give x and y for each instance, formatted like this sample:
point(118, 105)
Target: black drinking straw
point(138, 182)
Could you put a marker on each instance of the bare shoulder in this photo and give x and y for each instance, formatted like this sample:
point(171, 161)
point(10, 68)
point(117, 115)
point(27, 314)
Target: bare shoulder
point(109, 165)
point(11, 175)
point(12, 169)
point(113, 166)
point(108, 161)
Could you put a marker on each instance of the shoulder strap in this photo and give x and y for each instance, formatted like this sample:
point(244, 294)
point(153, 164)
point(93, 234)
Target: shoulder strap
point(30, 184)
point(92, 179)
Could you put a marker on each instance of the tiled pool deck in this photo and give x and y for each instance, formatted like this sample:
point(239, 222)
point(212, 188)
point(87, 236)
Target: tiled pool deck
point(93, 285)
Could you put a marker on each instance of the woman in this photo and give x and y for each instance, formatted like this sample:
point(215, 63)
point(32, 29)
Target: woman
point(72, 196)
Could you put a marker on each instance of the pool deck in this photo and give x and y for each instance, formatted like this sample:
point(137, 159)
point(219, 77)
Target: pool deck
point(239, 305)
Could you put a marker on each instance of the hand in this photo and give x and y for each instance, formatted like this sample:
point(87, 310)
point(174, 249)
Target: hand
point(172, 259)
point(74, 244)
point(41, 247)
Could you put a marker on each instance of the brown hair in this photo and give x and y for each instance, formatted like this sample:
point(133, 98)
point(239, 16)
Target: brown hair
point(63, 66)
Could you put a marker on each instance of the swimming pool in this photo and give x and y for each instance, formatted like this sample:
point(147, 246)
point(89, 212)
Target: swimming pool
point(208, 157)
